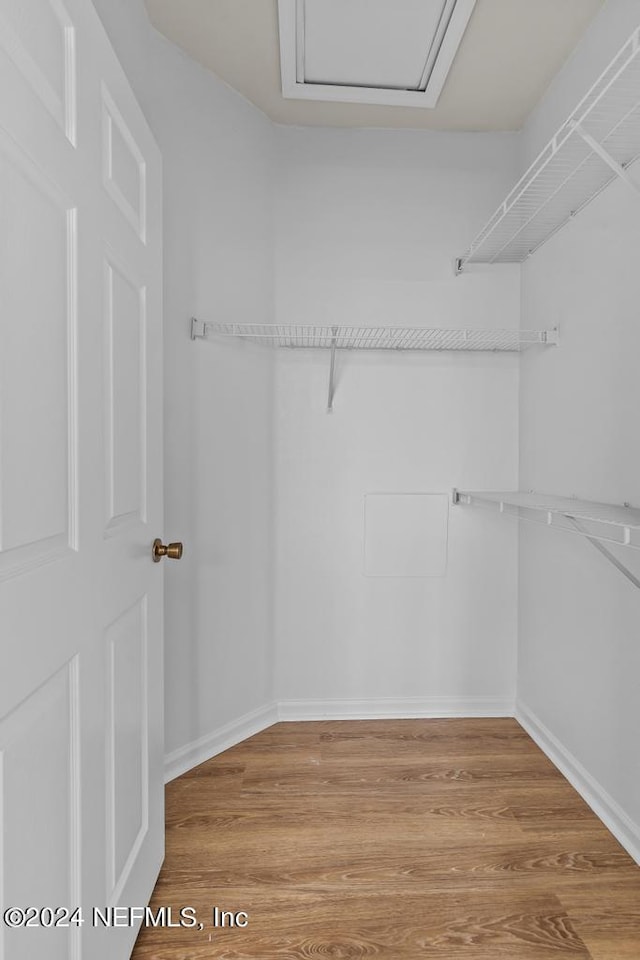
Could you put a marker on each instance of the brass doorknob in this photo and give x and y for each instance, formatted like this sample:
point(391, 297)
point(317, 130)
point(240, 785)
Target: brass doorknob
point(171, 550)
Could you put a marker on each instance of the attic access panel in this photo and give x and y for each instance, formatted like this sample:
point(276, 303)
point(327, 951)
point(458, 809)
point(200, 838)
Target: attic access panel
point(389, 52)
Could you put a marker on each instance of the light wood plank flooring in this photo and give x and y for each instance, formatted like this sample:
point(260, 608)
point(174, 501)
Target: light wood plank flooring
point(443, 839)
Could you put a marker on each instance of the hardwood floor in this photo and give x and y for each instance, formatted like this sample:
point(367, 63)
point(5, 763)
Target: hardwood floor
point(443, 839)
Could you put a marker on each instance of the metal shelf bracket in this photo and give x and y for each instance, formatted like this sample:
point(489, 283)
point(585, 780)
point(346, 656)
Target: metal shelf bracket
point(198, 329)
point(607, 554)
point(604, 154)
point(332, 370)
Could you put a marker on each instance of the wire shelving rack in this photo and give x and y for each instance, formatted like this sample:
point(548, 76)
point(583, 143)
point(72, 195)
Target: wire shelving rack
point(336, 338)
point(596, 144)
point(602, 521)
point(599, 523)
point(374, 338)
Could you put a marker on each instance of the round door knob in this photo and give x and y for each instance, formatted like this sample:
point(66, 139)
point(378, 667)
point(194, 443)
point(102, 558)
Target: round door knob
point(171, 550)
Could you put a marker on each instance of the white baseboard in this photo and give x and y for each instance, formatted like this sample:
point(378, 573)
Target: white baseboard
point(388, 708)
point(593, 793)
point(204, 748)
point(185, 758)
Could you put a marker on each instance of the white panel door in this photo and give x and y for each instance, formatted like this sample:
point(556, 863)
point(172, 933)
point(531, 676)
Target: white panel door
point(81, 814)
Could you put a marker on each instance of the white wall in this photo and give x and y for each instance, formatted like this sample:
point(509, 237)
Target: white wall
point(368, 224)
point(579, 655)
point(217, 152)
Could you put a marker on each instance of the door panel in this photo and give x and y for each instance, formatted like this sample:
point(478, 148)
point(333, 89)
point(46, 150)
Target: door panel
point(124, 166)
point(40, 39)
point(127, 750)
point(39, 742)
point(37, 384)
point(125, 321)
point(81, 749)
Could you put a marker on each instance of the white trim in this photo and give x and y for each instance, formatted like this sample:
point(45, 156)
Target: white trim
point(458, 20)
point(388, 708)
point(457, 13)
point(204, 748)
point(593, 793)
point(185, 758)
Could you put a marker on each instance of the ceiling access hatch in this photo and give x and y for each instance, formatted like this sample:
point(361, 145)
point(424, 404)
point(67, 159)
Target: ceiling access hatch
point(391, 52)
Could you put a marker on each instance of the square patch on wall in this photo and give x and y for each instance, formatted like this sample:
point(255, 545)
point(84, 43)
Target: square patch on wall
point(405, 534)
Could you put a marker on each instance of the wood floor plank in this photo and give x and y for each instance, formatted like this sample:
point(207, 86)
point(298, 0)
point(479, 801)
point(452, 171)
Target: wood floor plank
point(416, 926)
point(605, 920)
point(443, 839)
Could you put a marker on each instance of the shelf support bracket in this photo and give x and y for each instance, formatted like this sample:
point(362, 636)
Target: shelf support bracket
point(607, 554)
point(604, 154)
point(198, 329)
point(332, 370)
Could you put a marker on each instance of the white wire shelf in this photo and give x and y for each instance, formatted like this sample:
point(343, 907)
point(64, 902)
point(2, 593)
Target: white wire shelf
point(375, 338)
point(596, 521)
point(598, 142)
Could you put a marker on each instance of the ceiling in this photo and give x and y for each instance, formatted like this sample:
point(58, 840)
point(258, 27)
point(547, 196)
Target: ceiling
point(508, 56)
